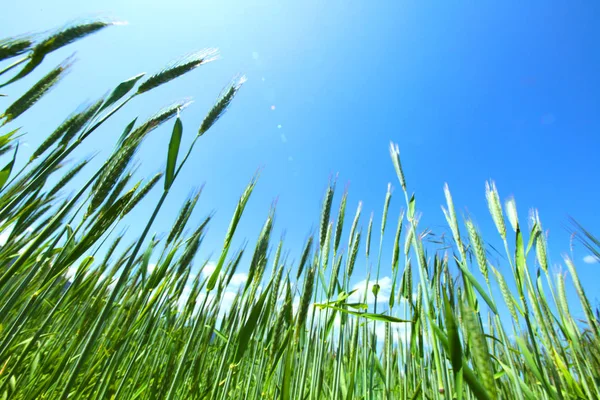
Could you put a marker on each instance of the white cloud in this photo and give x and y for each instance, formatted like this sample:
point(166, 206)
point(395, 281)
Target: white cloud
point(70, 274)
point(296, 304)
point(8, 231)
point(4, 238)
point(238, 279)
point(226, 302)
point(385, 289)
point(209, 268)
point(5, 235)
point(228, 298)
point(200, 298)
point(112, 284)
point(151, 267)
point(185, 294)
point(400, 332)
point(590, 260)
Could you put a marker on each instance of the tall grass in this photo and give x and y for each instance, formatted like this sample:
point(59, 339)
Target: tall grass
point(83, 316)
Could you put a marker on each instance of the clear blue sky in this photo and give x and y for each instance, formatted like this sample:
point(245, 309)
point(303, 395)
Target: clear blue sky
point(469, 91)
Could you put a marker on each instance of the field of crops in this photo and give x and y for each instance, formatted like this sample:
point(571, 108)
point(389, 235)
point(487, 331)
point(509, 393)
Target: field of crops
point(82, 316)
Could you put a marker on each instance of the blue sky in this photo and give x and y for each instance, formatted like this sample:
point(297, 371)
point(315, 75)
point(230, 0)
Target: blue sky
point(470, 91)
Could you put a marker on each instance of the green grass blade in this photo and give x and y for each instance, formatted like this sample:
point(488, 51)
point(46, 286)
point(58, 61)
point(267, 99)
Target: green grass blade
point(173, 152)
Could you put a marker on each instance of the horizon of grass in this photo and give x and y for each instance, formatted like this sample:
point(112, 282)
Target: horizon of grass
point(77, 325)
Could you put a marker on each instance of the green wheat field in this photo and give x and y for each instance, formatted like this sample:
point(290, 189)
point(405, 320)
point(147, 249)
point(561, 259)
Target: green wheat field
point(115, 329)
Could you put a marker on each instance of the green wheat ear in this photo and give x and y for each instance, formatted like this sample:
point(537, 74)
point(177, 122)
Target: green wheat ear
point(304, 257)
point(221, 105)
point(340, 222)
point(368, 239)
point(80, 122)
point(509, 299)
point(478, 248)
point(58, 39)
point(395, 154)
point(70, 34)
point(495, 207)
point(353, 253)
point(325, 249)
point(325, 213)
point(178, 68)
point(139, 196)
point(14, 46)
point(156, 120)
point(309, 281)
point(183, 217)
point(112, 173)
point(67, 178)
point(259, 257)
point(334, 275)
point(72, 124)
point(354, 224)
point(36, 92)
point(396, 248)
point(479, 348)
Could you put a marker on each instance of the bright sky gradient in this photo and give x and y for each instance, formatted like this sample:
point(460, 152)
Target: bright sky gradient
point(470, 91)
